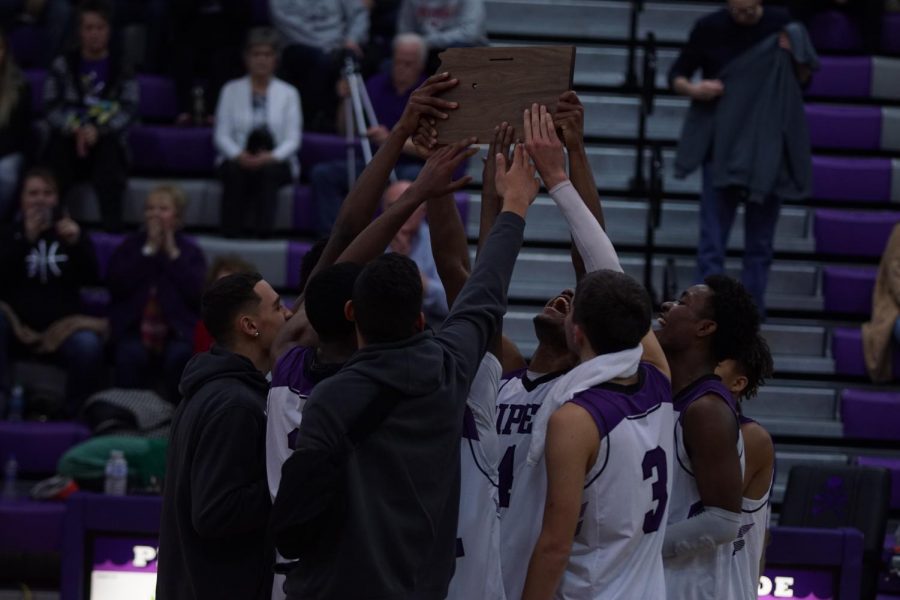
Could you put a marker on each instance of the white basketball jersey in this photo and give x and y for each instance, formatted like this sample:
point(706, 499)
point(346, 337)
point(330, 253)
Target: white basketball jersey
point(617, 550)
point(478, 532)
point(522, 488)
point(704, 575)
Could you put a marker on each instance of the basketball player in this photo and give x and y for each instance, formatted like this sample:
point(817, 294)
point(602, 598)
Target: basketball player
point(522, 488)
point(617, 402)
point(709, 323)
point(744, 377)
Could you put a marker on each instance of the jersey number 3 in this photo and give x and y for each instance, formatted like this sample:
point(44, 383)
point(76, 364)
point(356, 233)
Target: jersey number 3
point(656, 459)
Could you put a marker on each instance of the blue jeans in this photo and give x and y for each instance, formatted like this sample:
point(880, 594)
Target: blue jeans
point(329, 188)
point(137, 368)
point(81, 355)
point(717, 210)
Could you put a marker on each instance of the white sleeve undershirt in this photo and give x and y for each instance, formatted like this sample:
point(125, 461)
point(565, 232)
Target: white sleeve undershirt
point(593, 244)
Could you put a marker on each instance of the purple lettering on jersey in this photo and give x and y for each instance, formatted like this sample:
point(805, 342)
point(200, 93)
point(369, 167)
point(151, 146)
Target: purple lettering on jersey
point(655, 462)
point(740, 542)
point(470, 430)
point(696, 509)
point(520, 415)
point(501, 414)
point(291, 370)
point(610, 404)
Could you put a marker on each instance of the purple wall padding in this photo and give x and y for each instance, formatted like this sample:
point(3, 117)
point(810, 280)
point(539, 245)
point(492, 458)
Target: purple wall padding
point(861, 179)
point(848, 289)
point(870, 414)
point(30, 526)
point(853, 233)
point(857, 127)
point(38, 446)
point(842, 77)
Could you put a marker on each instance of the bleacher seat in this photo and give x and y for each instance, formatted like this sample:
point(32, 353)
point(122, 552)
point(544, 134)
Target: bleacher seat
point(38, 446)
point(104, 246)
point(871, 414)
point(172, 150)
point(858, 179)
point(848, 289)
point(892, 465)
point(846, 348)
point(158, 101)
point(853, 233)
point(856, 127)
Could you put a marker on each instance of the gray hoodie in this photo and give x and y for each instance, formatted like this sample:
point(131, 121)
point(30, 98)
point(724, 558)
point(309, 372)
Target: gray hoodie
point(444, 23)
point(324, 24)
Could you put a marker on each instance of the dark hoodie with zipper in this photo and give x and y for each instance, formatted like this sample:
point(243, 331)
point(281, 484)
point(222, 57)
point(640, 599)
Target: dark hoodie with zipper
point(368, 502)
point(213, 541)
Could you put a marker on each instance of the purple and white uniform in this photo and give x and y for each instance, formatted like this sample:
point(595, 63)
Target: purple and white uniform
point(522, 488)
point(617, 550)
point(747, 550)
point(704, 575)
point(478, 532)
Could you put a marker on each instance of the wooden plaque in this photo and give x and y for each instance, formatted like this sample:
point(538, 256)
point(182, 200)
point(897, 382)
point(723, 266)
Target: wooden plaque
point(497, 84)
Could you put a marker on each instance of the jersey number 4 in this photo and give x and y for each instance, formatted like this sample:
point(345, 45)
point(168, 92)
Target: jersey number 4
point(656, 459)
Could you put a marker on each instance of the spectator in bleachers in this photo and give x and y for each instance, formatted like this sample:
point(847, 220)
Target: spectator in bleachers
point(414, 241)
point(444, 24)
point(207, 41)
point(155, 279)
point(881, 335)
point(52, 16)
point(45, 260)
point(91, 101)
point(15, 124)
point(751, 140)
point(257, 136)
point(389, 93)
point(316, 34)
point(228, 264)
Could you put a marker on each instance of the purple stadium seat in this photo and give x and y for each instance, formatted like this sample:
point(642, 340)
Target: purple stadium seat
point(892, 465)
point(36, 79)
point(843, 77)
point(296, 251)
point(846, 348)
point(38, 446)
point(862, 179)
point(834, 30)
point(30, 526)
point(853, 233)
point(158, 101)
point(26, 44)
point(870, 414)
point(172, 150)
point(320, 147)
point(857, 127)
point(848, 289)
point(104, 245)
point(304, 209)
point(890, 37)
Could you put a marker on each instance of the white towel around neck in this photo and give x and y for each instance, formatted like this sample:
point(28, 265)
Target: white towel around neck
point(600, 369)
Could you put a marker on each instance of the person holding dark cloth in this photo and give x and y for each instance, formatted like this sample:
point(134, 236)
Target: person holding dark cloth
point(91, 102)
point(216, 503)
point(155, 278)
point(368, 501)
point(751, 58)
point(257, 136)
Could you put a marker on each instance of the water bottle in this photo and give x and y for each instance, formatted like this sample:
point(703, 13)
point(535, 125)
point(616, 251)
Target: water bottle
point(198, 105)
point(16, 404)
point(116, 483)
point(10, 475)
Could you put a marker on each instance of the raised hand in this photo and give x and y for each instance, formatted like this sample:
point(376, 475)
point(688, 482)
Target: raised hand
point(68, 230)
point(544, 147)
point(500, 144)
point(423, 103)
point(435, 178)
point(569, 118)
point(516, 184)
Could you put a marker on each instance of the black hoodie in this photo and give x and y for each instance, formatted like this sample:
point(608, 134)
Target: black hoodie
point(369, 500)
point(212, 541)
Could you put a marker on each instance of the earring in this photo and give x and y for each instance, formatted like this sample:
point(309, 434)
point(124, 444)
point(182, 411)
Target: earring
point(257, 334)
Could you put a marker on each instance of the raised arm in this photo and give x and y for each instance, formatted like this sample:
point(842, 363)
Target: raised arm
point(434, 182)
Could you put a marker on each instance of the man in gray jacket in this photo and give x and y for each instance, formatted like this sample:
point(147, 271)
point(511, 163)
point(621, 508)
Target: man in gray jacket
point(369, 500)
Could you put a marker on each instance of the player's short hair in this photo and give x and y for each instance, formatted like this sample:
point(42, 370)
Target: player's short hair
point(737, 319)
point(309, 262)
point(224, 300)
point(327, 293)
point(387, 299)
point(95, 7)
point(755, 363)
point(613, 310)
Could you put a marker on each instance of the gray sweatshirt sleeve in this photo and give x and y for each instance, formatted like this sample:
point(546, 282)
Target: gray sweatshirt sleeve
point(406, 22)
point(479, 309)
point(468, 30)
point(357, 18)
